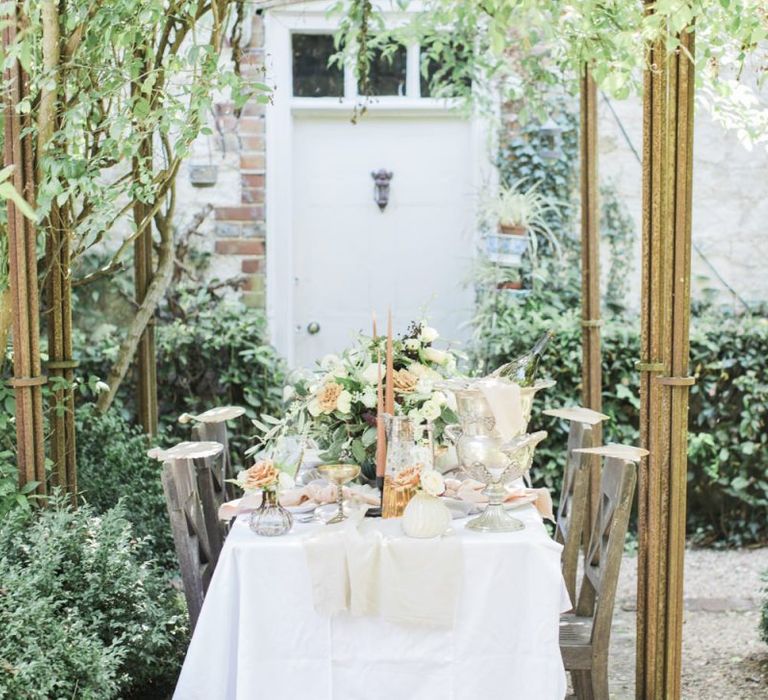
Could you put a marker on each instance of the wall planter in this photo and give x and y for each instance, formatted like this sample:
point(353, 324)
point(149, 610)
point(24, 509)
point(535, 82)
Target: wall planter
point(506, 248)
point(203, 175)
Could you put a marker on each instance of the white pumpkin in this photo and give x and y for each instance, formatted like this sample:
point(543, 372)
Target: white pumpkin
point(426, 516)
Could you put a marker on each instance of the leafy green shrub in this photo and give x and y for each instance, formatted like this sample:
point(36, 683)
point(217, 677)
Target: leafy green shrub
point(113, 466)
point(728, 447)
point(82, 616)
point(210, 352)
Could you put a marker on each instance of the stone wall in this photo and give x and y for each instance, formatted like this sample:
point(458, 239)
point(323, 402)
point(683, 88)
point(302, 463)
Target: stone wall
point(235, 234)
point(730, 206)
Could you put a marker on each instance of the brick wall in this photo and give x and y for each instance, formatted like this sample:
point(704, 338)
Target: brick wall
point(239, 227)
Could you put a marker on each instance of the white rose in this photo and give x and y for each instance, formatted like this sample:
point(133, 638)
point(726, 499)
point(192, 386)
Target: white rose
point(432, 482)
point(424, 388)
point(369, 398)
point(314, 408)
point(344, 402)
point(428, 334)
point(412, 344)
point(439, 398)
point(370, 374)
point(430, 410)
point(439, 357)
point(329, 363)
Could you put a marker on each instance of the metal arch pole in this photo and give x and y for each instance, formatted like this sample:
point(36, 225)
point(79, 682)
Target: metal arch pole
point(22, 252)
point(664, 385)
point(591, 379)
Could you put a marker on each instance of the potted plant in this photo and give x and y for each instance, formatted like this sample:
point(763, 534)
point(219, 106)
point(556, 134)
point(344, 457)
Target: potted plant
point(520, 214)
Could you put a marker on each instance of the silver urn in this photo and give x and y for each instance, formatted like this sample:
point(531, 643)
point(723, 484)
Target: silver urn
point(485, 456)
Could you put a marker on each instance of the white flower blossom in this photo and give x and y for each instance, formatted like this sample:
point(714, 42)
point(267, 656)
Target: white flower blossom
point(314, 408)
point(289, 392)
point(432, 482)
point(430, 411)
point(369, 398)
point(439, 398)
point(428, 334)
point(344, 402)
point(439, 357)
point(412, 343)
point(370, 374)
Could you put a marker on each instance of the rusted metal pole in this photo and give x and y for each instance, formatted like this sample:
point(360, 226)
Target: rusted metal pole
point(22, 252)
point(146, 361)
point(591, 373)
point(664, 380)
point(59, 313)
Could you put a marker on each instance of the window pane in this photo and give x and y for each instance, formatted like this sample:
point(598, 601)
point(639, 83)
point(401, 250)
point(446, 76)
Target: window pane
point(387, 73)
point(312, 77)
point(445, 73)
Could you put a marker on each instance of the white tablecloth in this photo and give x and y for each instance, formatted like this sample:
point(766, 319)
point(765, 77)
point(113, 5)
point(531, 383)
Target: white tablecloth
point(259, 637)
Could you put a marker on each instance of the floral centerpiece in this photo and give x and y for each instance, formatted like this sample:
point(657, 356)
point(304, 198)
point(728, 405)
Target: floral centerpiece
point(335, 406)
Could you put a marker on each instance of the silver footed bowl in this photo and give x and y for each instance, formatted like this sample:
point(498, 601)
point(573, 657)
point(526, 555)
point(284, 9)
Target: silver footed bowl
point(483, 458)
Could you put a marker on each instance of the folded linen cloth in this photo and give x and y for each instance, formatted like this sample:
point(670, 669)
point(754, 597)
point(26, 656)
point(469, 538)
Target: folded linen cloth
point(316, 492)
point(471, 491)
point(506, 402)
point(384, 574)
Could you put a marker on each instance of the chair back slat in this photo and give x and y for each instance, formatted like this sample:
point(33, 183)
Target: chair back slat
point(572, 508)
point(190, 534)
point(217, 432)
point(211, 496)
point(606, 547)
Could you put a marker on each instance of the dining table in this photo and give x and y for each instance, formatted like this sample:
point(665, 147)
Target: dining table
point(260, 636)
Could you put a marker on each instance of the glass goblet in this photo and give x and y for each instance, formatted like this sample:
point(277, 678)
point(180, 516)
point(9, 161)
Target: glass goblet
point(339, 474)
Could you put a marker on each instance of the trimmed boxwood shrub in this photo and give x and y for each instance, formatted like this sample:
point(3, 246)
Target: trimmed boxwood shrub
point(83, 614)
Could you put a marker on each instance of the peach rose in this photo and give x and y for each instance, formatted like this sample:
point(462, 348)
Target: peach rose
point(407, 477)
point(262, 475)
point(404, 381)
point(328, 397)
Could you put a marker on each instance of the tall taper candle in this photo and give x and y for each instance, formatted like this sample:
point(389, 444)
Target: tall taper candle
point(381, 446)
point(389, 397)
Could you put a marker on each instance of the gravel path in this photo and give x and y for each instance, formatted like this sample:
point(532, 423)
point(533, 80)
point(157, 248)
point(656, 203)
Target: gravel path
point(723, 656)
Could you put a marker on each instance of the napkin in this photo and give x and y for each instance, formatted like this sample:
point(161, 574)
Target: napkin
point(368, 569)
point(505, 399)
point(471, 491)
point(315, 492)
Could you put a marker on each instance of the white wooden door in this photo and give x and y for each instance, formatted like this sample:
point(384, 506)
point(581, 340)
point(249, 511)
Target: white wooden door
point(349, 258)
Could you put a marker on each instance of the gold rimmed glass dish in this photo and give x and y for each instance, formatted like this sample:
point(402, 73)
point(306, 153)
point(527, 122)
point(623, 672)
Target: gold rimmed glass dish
point(339, 474)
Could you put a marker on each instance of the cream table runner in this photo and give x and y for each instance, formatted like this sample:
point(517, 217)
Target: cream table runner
point(260, 637)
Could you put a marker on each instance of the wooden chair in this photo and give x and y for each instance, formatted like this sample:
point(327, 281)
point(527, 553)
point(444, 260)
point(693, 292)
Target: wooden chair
point(574, 497)
point(211, 426)
point(585, 635)
point(190, 496)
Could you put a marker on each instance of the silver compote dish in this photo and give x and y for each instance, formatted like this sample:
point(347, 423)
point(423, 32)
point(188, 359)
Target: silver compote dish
point(485, 456)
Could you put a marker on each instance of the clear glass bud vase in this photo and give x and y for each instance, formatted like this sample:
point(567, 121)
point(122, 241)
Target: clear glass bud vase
point(270, 518)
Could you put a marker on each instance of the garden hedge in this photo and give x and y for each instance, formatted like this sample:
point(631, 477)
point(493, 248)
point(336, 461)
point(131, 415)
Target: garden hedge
point(728, 418)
